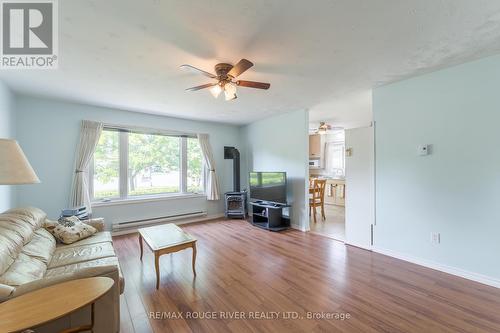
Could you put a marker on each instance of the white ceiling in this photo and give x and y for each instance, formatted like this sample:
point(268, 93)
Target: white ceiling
point(324, 56)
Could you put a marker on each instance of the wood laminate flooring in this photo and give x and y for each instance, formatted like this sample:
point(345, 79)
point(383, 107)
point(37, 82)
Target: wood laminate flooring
point(252, 272)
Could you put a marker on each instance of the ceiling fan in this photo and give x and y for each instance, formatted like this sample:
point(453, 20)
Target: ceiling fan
point(323, 128)
point(225, 77)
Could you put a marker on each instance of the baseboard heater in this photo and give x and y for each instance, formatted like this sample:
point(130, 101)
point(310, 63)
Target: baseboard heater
point(154, 220)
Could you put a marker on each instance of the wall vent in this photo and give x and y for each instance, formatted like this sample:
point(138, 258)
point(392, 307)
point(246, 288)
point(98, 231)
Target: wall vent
point(155, 220)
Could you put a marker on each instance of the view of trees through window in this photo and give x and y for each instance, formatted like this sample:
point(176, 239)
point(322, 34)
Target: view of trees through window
point(194, 166)
point(107, 166)
point(153, 163)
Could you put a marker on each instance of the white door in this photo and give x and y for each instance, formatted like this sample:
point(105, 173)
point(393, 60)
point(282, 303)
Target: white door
point(360, 189)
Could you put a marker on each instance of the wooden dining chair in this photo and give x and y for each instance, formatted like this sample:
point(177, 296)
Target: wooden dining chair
point(317, 198)
point(311, 181)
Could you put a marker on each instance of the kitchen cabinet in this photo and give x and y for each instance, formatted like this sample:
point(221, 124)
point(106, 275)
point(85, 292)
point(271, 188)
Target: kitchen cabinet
point(315, 146)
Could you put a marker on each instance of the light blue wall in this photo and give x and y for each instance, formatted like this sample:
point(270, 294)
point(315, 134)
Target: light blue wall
point(7, 130)
point(48, 131)
point(456, 189)
point(280, 143)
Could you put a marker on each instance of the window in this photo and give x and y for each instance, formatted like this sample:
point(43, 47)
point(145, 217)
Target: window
point(194, 166)
point(335, 161)
point(131, 164)
point(107, 166)
point(153, 164)
point(335, 153)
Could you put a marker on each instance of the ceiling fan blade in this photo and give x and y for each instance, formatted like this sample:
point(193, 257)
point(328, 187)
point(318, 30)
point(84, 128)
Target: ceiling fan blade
point(199, 71)
point(240, 67)
point(203, 86)
point(253, 84)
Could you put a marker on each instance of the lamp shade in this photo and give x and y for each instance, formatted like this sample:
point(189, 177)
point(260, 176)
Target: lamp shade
point(14, 166)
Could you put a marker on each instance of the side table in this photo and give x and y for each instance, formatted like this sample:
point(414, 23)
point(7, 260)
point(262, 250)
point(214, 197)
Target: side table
point(47, 304)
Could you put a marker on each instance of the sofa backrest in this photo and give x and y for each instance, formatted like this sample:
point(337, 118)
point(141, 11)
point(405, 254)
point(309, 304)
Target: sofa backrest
point(17, 227)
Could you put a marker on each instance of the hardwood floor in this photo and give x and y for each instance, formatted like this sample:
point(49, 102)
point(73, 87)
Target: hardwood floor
point(245, 269)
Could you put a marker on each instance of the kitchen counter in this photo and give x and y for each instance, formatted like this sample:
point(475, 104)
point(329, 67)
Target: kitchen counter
point(327, 177)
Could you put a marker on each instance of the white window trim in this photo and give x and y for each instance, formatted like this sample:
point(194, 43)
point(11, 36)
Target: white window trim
point(183, 166)
point(124, 198)
point(123, 174)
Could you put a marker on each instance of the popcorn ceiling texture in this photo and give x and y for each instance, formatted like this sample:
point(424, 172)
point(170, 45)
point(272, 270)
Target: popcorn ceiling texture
point(324, 56)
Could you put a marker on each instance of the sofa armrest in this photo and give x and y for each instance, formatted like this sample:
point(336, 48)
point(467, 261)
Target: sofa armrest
point(5, 292)
point(109, 271)
point(97, 223)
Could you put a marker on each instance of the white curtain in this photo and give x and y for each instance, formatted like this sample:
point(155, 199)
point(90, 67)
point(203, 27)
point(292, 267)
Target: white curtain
point(211, 182)
point(89, 137)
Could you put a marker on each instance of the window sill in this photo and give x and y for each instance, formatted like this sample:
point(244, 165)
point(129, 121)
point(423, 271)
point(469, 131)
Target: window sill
point(114, 202)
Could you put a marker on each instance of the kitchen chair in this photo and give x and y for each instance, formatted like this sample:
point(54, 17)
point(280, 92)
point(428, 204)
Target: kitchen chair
point(317, 198)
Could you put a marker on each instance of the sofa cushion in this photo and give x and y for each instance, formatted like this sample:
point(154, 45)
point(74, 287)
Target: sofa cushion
point(42, 246)
point(69, 230)
point(17, 227)
point(72, 255)
point(100, 237)
point(11, 244)
point(66, 269)
point(32, 262)
point(24, 269)
point(32, 215)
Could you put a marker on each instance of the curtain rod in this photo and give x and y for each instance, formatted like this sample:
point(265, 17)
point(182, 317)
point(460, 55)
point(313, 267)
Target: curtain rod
point(149, 130)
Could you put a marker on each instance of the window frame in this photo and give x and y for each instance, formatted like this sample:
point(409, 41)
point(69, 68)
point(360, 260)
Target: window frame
point(123, 182)
point(328, 167)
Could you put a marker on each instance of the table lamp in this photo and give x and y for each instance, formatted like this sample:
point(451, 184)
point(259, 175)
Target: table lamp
point(14, 166)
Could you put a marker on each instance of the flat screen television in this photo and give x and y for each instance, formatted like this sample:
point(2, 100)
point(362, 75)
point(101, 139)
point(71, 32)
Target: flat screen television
point(268, 186)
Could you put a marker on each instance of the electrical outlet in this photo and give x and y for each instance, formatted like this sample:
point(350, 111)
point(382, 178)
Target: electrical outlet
point(435, 237)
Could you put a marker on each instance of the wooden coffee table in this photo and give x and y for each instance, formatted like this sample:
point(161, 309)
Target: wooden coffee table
point(47, 304)
point(166, 238)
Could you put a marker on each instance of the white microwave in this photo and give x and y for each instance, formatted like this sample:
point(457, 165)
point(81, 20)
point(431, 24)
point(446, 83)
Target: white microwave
point(316, 163)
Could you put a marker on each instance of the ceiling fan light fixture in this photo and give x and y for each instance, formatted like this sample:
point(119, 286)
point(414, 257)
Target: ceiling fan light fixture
point(323, 128)
point(230, 91)
point(216, 90)
point(230, 96)
point(230, 88)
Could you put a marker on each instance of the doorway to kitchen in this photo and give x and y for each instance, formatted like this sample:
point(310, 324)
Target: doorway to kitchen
point(327, 185)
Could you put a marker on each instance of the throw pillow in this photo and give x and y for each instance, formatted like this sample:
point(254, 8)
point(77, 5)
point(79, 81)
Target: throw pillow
point(68, 230)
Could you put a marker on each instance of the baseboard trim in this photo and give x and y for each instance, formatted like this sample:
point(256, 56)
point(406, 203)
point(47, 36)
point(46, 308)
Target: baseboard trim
point(363, 247)
point(487, 280)
point(298, 227)
point(177, 222)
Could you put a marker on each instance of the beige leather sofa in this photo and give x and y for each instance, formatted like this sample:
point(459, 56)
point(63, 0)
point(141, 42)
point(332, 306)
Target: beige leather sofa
point(31, 259)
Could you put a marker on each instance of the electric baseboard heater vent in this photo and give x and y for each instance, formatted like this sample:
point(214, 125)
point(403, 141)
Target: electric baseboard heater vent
point(145, 222)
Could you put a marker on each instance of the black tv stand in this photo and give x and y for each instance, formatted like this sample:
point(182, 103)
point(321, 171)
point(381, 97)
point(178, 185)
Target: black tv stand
point(269, 215)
